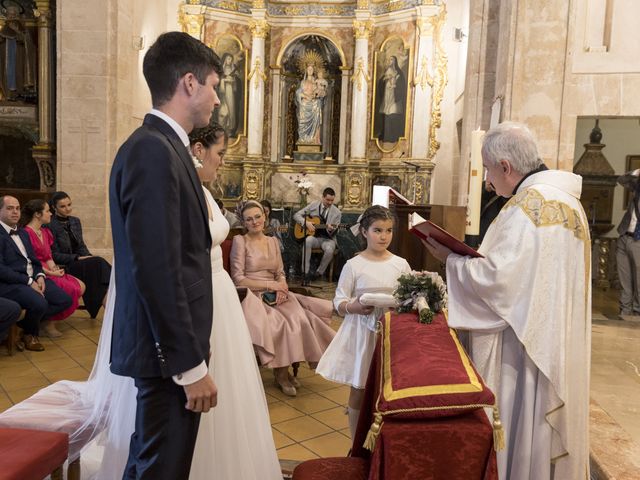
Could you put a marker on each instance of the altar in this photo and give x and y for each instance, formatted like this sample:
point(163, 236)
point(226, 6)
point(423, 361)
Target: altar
point(440, 433)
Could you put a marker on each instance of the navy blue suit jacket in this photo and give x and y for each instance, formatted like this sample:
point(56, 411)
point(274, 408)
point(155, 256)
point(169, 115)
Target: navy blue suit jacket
point(13, 265)
point(161, 239)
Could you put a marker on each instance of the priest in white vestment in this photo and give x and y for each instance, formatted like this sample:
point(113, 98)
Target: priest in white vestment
point(527, 306)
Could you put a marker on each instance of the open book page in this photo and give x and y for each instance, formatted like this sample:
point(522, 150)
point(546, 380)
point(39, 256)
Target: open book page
point(384, 196)
point(425, 228)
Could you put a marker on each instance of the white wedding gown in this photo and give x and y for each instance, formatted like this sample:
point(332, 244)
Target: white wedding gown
point(234, 439)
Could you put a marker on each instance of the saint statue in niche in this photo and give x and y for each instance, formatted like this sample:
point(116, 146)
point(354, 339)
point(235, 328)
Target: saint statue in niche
point(310, 96)
point(230, 93)
point(17, 57)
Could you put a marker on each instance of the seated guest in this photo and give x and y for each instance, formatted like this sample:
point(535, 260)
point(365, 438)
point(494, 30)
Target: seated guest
point(232, 218)
point(9, 314)
point(34, 214)
point(285, 327)
point(70, 251)
point(329, 216)
point(22, 279)
point(271, 225)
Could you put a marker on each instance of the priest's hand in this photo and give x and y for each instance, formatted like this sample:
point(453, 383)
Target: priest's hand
point(437, 249)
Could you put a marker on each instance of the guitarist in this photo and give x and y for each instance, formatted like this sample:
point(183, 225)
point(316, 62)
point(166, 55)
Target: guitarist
point(330, 216)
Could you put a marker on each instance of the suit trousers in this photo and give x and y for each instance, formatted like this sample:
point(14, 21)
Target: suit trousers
point(328, 246)
point(37, 307)
point(628, 260)
point(165, 432)
point(9, 314)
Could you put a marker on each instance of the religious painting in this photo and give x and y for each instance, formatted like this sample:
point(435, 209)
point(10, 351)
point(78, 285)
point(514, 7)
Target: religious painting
point(229, 184)
point(633, 163)
point(391, 67)
point(232, 88)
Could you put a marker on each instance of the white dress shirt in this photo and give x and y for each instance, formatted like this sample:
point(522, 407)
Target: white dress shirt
point(18, 241)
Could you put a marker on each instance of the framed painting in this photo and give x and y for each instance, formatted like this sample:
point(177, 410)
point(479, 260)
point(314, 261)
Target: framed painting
point(390, 99)
point(232, 89)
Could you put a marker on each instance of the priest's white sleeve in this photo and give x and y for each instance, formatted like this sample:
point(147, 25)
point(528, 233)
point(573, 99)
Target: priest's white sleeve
point(467, 310)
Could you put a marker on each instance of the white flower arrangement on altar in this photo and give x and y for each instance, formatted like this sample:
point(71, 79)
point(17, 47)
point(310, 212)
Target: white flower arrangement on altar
point(423, 291)
point(303, 185)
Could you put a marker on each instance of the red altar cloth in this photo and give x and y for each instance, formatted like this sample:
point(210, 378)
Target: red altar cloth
point(451, 447)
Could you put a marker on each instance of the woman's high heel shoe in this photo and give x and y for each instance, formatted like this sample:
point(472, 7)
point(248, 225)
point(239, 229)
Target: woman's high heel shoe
point(294, 381)
point(287, 387)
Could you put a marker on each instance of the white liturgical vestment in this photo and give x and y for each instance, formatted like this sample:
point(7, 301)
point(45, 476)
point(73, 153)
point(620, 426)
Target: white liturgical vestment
point(527, 305)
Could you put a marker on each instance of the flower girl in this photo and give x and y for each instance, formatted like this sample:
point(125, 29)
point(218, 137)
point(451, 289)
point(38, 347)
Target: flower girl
point(374, 270)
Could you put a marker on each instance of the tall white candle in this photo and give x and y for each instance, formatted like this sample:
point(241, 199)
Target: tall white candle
point(475, 184)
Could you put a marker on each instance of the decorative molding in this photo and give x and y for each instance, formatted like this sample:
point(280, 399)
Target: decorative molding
point(259, 4)
point(362, 4)
point(191, 19)
point(360, 74)
point(362, 29)
point(258, 72)
point(422, 77)
point(259, 28)
point(424, 26)
point(440, 80)
point(356, 190)
point(253, 184)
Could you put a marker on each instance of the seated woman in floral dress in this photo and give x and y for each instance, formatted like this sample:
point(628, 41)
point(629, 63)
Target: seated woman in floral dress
point(285, 327)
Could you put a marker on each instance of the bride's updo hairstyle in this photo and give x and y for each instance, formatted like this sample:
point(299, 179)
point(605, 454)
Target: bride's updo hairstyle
point(373, 214)
point(244, 206)
point(209, 135)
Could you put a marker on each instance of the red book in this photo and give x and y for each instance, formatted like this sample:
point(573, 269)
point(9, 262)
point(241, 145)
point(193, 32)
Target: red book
point(426, 228)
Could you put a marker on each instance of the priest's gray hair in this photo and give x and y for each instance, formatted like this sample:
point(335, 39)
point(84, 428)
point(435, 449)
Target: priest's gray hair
point(513, 142)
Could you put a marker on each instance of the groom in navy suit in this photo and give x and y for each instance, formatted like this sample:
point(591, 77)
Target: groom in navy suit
point(22, 279)
point(163, 307)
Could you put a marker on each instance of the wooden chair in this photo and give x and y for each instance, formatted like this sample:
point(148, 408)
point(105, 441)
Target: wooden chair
point(32, 454)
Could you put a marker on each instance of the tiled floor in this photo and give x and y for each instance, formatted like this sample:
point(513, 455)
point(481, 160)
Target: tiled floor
point(311, 425)
point(314, 423)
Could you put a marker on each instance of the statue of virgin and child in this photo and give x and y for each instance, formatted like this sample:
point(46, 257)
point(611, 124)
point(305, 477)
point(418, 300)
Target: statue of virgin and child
point(310, 96)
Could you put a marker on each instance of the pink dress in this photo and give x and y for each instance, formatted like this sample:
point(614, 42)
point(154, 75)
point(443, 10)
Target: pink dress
point(68, 283)
point(295, 331)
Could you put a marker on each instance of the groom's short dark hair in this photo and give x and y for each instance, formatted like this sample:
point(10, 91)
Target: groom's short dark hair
point(328, 191)
point(173, 55)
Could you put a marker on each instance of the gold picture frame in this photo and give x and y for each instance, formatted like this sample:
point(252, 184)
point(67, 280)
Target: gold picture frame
point(392, 68)
point(232, 89)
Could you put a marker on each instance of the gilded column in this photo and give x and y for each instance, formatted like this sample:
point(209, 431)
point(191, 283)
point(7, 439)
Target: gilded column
point(257, 78)
point(191, 19)
point(44, 150)
point(360, 80)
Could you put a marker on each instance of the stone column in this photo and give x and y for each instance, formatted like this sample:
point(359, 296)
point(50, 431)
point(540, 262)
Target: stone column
point(423, 83)
point(362, 27)
point(44, 152)
point(257, 77)
point(275, 114)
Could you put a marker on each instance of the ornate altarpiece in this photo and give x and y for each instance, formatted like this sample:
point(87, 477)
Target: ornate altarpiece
point(339, 39)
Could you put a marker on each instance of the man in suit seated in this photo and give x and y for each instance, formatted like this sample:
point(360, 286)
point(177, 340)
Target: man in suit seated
point(323, 238)
point(9, 314)
point(21, 277)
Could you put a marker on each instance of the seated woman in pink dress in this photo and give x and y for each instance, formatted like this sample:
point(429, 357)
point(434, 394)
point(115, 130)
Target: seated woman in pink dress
point(292, 328)
point(35, 214)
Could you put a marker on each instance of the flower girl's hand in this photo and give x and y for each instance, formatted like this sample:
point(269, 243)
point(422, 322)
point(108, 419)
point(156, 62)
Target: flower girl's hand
point(357, 308)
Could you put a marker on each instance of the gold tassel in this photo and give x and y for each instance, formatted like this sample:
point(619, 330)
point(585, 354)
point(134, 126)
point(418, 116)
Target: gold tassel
point(374, 431)
point(498, 431)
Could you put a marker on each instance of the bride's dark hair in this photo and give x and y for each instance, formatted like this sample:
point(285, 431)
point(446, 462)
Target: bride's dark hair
point(209, 135)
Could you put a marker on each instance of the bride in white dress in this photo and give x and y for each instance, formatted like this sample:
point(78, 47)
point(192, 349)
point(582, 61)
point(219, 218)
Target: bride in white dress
point(234, 439)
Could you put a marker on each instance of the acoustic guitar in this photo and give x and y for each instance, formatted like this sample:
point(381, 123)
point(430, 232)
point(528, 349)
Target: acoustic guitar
point(281, 229)
point(300, 232)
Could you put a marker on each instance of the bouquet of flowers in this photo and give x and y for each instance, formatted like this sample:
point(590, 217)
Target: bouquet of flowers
point(424, 291)
point(303, 185)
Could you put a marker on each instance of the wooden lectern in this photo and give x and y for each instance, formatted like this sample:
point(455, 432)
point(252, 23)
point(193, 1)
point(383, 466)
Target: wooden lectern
point(408, 246)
